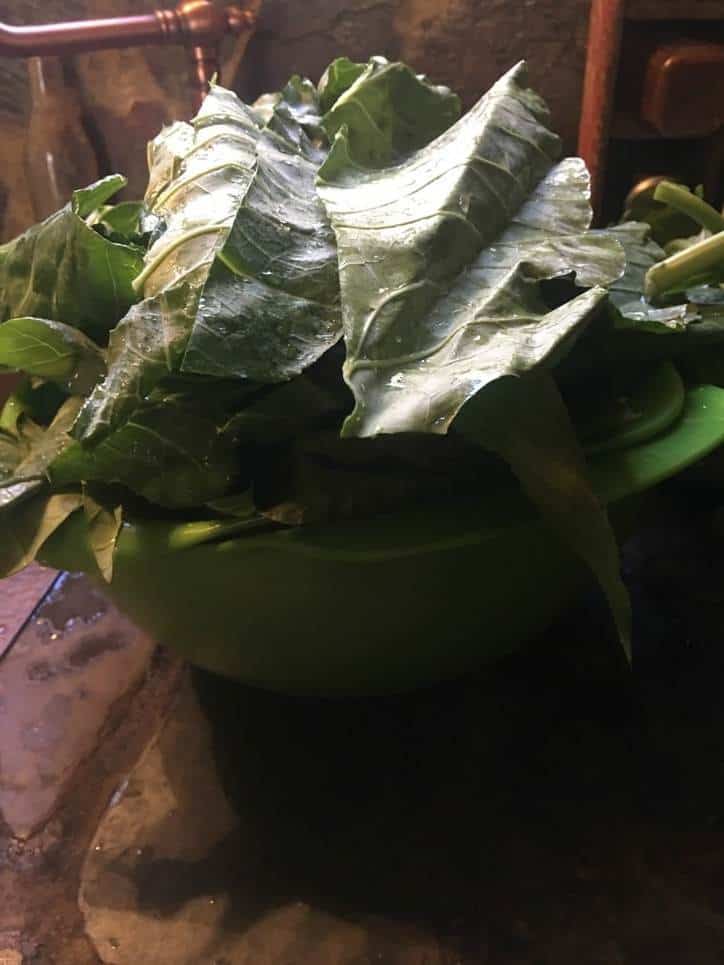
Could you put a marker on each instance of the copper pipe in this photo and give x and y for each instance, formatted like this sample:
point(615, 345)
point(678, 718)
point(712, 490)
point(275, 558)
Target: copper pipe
point(604, 41)
point(198, 24)
point(81, 36)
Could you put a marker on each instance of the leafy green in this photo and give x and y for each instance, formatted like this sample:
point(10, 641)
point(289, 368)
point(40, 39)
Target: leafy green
point(145, 346)
point(688, 320)
point(355, 235)
point(27, 525)
point(86, 202)
point(663, 289)
point(440, 256)
point(691, 265)
point(172, 452)
point(242, 282)
point(51, 350)
point(296, 117)
point(64, 270)
point(120, 222)
point(641, 253)
point(386, 112)
point(337, 78)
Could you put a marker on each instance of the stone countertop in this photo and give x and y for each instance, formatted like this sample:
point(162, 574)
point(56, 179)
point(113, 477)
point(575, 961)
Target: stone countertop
point(82, 691)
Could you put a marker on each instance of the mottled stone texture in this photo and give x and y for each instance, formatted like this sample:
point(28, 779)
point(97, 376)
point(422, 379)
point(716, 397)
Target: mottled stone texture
point(463, 43)
point(125, 96)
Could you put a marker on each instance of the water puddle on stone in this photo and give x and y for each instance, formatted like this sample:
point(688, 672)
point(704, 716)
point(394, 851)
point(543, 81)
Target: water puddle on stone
point(73, 660)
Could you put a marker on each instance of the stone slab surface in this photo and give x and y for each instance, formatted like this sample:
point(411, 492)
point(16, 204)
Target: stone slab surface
point(74, 660)
point(19, 596)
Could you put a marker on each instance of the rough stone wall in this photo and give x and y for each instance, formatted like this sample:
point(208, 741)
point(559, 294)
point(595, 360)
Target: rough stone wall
point(125, 96)
point(464, 43)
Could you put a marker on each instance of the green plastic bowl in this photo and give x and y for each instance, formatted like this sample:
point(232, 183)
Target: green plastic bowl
point(378, 605)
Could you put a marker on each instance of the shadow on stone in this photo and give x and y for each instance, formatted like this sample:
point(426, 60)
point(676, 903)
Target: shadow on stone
point(554, 809)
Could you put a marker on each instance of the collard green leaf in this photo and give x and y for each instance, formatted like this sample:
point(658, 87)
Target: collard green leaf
point(387, 112)
point(525, 421)
point(641, 252)
point(121, 223)
point(640, 330)
point(86, 201)
point(242, 283)
point(27, 525)
point(104, 525)
point(38, 448)
point(199, 174)
point(626, 294)
point(62, 269)
point(145, 346)
point(270, 306)
point(171, 452)
point(51, 350)
point(440, 257)
point(440, 260)
point(296, 116)
point(337, 78)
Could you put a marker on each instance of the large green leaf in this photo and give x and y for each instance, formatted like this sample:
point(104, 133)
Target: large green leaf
point(626, 294)
point(120, 222)
point(387, 111)
point(641, 253)
point(86, 202)
point(295, 114)
point(27, 525)
point(145, 346)
point(51, 350)
point(242, 282)
point(440, 257)
point(64, 270)
point(337, 78)
point(270, 306)
point(172, 451)
point(525, 421)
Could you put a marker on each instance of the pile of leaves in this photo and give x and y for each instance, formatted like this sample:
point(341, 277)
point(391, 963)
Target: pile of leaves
point(341, 300)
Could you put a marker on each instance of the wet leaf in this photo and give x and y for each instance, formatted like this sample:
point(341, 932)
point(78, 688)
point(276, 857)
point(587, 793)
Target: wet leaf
point(441, 255)
point(64, 270)
point(51, 350)
point(242, 282)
